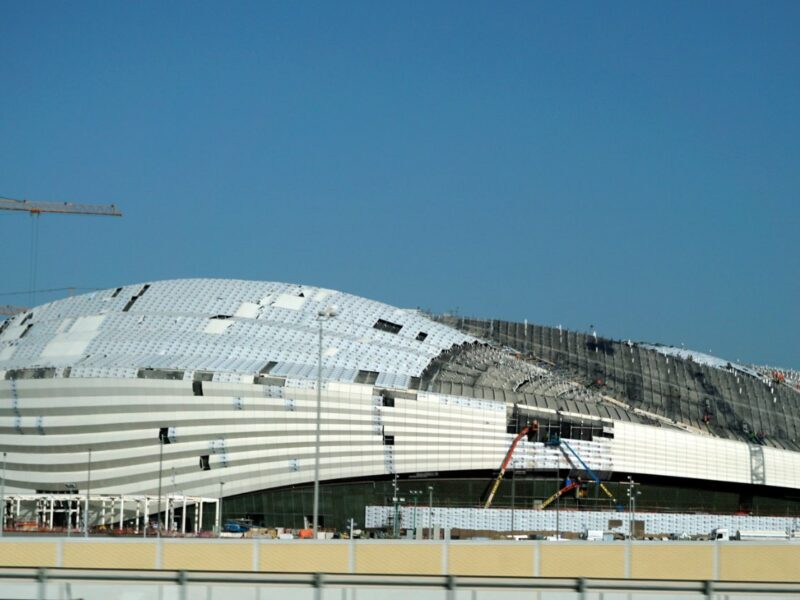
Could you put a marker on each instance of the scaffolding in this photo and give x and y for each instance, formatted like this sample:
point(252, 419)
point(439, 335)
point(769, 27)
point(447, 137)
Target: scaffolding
point(107, 512)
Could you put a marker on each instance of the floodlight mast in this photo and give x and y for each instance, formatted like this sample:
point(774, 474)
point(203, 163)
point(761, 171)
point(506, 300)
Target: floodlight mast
point(323, 315)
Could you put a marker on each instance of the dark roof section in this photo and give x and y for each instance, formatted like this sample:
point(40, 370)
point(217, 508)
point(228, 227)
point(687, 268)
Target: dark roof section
point(727, 404)
point(491, 373)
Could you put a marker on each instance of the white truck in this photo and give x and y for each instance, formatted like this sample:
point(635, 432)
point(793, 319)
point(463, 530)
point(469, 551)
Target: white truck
point(593, 535)
point(723, 535)
point(720, 535)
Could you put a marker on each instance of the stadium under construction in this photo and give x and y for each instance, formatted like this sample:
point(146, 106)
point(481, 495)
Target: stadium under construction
point(206, 389)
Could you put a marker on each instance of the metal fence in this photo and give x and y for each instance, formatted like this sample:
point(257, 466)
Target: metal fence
point(88, 584)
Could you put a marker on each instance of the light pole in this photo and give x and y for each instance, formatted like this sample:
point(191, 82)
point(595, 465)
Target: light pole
point(160, 465)
point(71, 488)
point(513, 495)
point(323, 315)
point(219, 530)
point(88, 493)
point(174, 519)
point(430, 512)
point(558, 504)
point(395, 500)
point(3, 498)
point(630, 506)
point(632, 503)
point(416, 494)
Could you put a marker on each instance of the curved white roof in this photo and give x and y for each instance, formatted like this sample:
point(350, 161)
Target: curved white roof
point(702, 358)
point(232, 328)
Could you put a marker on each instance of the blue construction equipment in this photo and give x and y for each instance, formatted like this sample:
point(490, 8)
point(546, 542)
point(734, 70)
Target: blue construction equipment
point(236, 527)
point(557, 442)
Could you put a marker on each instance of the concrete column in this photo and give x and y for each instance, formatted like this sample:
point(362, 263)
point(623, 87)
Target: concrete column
point(146, 517)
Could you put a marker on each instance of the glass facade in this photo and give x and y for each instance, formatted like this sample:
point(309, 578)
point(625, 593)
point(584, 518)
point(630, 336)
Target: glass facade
point(341, 501)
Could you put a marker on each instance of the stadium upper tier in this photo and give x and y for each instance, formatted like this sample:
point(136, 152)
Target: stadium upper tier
point(224, 329)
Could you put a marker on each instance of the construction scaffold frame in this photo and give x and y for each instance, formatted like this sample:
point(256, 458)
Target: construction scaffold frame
point(40, 512)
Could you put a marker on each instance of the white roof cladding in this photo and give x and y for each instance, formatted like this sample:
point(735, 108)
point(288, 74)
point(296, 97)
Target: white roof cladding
point(224, 326)
point(702, 358)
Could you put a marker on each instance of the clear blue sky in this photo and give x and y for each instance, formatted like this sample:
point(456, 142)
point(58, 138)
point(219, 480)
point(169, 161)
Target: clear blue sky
point(632, 165)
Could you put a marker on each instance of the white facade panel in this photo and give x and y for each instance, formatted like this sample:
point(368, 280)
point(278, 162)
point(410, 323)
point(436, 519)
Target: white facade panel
point(253, 441)
point(640, 448)
point(781, 468)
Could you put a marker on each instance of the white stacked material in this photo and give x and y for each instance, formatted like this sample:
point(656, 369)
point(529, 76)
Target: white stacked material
point(499, 519)
point(538, 456)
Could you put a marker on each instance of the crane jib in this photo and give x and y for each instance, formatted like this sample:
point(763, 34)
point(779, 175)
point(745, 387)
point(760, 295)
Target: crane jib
point(66, 208)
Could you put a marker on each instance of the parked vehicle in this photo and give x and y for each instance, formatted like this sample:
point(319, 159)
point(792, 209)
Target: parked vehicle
point(593, 535)
point(236, 527)
point(720, 535)
point(760, 535)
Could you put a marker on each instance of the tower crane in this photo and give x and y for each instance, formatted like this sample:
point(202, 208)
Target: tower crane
point(10, 311)
point(64, 208)
point(37, 208)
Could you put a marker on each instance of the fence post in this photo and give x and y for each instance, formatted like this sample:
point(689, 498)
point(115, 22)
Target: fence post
point(319, 584)
point(581, 588)
point(41, 575)
point(708, 588)
point(452, 587)
point(182, 585)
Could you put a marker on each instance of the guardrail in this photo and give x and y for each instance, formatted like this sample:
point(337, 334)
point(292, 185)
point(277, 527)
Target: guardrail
point(319, 582)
